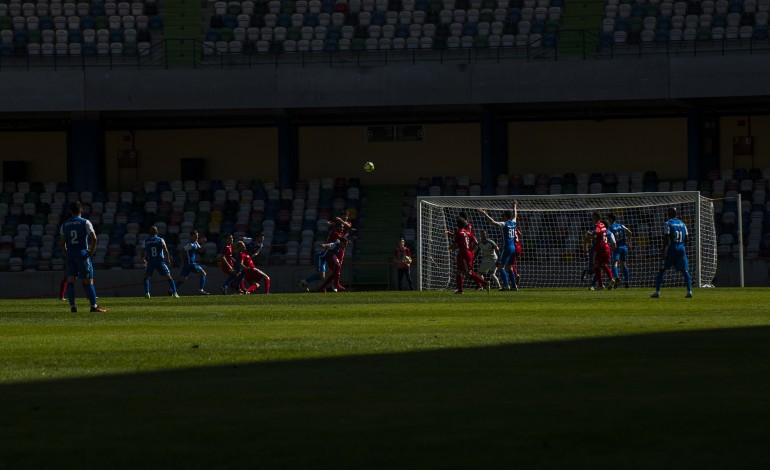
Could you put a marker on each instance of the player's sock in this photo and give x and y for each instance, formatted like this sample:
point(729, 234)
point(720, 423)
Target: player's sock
point(71, 293)
point(598, 276)
point(328, 280)
point(91, 293)
point(615, 274)
point(63, 289)
point(504, 277)
point(459, 280)
point(172, 285)
point(497, 281)
point(477, 279)
point(202, 282)
point(608, 272)
point(147, 286)
point(512, 280)
point(687, 280)
point(659, 280)
point(626, 274)
point(267, 285)
point(228, 281)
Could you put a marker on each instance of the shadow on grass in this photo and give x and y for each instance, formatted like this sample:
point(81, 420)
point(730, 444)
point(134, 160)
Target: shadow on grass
point(690, 399)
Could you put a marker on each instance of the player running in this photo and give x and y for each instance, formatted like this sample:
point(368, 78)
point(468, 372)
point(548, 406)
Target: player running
point(250, 276)
point(620, 253)
point(508, 227)
point(190, 252)
point(673, 253)
point(155, 255)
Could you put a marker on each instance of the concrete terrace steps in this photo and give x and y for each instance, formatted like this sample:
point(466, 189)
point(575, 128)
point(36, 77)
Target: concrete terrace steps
point(380, 231)
point(581, 16)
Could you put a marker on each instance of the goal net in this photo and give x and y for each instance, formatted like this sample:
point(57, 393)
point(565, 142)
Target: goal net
point(552, 228)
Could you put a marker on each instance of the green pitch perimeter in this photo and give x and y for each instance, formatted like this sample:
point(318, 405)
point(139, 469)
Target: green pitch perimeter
point(537, 378)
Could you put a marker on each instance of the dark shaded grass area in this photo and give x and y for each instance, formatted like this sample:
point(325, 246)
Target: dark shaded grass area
point(697, 399)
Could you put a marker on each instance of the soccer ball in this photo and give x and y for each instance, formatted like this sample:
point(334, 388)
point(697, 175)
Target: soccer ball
point(369, 166)
point(406, 260)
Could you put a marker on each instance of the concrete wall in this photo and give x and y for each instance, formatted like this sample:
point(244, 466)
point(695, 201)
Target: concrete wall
point(397, 84)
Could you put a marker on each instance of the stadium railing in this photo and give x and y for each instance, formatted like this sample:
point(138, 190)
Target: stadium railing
point(553, 46)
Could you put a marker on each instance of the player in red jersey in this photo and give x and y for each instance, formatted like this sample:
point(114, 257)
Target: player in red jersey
point(343, 227)
point(251, 274)
point(227, 262)
point(602, 253)
point(465, 244)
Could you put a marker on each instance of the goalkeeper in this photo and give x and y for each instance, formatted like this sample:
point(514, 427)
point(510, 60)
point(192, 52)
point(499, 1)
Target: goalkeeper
point(402, 256)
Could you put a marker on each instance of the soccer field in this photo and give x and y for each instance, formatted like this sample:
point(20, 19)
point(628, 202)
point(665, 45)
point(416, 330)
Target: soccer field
point(537, 378)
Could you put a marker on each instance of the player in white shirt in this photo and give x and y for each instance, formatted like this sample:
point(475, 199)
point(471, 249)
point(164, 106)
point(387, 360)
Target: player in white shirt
point(488, 250)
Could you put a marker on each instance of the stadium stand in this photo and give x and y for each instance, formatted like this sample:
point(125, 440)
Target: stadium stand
point(292, 219)
point(46, 29)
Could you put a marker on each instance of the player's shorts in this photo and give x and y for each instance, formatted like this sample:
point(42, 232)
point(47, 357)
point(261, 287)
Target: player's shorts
point(79, 265)
point(465, 261)
point(487, 264)
point(159, 265)
point(254, 276)
point(676, 258)
point(506, 257)
point(224, 266)
point(187, 269)
point(602, 255)
point(620, 254)
point(320, 262)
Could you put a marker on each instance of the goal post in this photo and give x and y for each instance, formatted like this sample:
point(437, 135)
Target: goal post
point(552, 227)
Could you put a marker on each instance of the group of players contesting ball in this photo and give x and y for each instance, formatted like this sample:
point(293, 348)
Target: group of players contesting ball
point(605, 243)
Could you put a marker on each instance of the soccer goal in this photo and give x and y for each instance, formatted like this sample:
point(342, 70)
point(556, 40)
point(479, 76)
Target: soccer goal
point(552, 227)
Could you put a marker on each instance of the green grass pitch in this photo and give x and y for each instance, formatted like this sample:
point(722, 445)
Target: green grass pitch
point(534, 379)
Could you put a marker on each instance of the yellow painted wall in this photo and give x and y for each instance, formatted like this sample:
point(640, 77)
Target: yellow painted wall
point(552, 147)
point(44, 152)
point(242, 153)
point(556, 147)
point(740, 126)
point(447, 150)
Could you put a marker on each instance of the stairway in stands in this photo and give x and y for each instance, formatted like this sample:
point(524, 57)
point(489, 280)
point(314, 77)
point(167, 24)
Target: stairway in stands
point(380, 231)
point(181, 26)
point(581, 16)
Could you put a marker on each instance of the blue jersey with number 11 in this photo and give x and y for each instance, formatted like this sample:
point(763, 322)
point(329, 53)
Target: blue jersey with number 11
point(676, 231)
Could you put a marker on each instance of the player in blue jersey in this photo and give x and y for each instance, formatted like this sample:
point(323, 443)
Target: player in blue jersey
point(327, 255)
point(190, 253)
point(78, 241)
point(155, 255)
point(620, 253)
point(673, 252)
point(508, 227)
